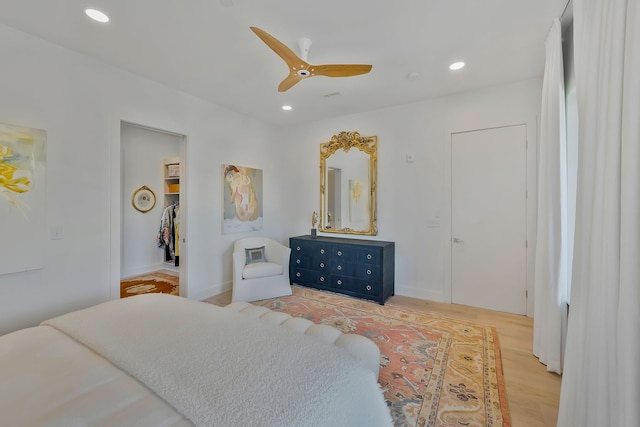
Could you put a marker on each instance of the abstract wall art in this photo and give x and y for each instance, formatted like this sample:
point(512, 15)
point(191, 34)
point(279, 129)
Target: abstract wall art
point(22, 198)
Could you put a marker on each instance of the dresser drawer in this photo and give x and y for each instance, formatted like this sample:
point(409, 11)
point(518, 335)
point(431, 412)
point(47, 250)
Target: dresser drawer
point(368, 287)
point(369, 255)
point(312, 263)
point(300, 261)
point(342, 253)
point(340, 283)
point(367, 271)
point(302, 276)
point(354, 286)
point(341, 267)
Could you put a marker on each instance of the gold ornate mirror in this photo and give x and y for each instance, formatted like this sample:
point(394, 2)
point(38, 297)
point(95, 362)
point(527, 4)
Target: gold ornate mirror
point(348, 171)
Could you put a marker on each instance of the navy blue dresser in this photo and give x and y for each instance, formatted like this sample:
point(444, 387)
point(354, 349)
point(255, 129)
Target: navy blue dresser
point(359, 268)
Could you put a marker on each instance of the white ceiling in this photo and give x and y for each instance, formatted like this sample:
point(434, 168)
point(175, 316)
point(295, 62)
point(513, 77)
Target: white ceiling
point(205, 48)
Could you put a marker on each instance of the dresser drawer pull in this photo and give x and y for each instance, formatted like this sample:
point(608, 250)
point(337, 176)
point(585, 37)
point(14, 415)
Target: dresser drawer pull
point(322, 278)
point(298, 274)
point(339, 253)
point(322, 264)
point(339, 268)
point(369, 256)
point(339, 282)
point(297, 248)
point(369, 272)
point(321, 251)
point(297, 261)
point(368, 287)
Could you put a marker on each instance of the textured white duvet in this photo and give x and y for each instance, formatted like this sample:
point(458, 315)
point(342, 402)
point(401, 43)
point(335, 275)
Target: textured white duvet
point(49, 379)
point(220, 368)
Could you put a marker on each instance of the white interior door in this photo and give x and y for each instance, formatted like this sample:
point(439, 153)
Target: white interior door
point(488, 218)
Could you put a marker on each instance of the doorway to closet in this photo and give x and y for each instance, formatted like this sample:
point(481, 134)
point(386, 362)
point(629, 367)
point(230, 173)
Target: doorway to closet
point(152, 234)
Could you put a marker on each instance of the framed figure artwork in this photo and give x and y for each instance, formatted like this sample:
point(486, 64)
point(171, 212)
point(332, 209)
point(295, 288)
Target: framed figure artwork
point(242, 199)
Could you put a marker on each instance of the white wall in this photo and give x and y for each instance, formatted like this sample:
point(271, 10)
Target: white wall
point(411, 193)
point(81, 103)
point(143, 153)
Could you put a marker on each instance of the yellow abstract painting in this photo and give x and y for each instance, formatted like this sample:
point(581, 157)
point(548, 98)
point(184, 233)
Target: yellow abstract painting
point(22, 198)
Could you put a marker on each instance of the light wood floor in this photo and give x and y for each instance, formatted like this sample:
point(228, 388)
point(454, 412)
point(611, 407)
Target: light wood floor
point(532, 392)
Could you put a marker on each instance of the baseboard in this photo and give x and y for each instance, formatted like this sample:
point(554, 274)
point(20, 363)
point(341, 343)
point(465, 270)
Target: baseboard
point(202, 294)
point(169, 271)
point(143, 270)
point(170, 266)
point(420, 293)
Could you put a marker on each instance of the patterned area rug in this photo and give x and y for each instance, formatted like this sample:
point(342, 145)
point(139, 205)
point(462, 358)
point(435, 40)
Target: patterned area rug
point(434, 371)
point(156, 282)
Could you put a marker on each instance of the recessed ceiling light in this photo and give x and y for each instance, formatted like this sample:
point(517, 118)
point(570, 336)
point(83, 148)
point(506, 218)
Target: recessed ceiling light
point(96, 15)
point(286, 107)
point(456, 66)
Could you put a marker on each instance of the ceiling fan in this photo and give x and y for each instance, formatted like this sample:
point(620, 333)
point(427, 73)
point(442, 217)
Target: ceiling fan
point(299, 67)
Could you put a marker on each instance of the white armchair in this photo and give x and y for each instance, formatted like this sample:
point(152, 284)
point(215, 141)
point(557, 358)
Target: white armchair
point(254, 281)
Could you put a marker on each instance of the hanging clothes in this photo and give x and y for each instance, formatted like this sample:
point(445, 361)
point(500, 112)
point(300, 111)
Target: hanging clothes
point(167, 233)
point(176, 228)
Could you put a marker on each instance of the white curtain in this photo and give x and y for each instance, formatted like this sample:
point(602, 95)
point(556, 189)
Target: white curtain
point(601, 381)
point(551, 236)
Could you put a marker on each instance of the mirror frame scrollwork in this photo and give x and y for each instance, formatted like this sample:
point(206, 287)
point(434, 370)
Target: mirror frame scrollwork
point(347, 141)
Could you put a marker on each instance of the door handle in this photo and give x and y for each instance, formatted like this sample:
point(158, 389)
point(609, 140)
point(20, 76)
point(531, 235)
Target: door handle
point(457, 240)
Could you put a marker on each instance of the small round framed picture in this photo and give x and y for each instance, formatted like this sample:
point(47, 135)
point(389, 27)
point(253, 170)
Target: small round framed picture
point(143, 199)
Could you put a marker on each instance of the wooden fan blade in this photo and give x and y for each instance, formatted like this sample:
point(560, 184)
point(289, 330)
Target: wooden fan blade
point(340, 70)
point(288, 83)
point(292, 60)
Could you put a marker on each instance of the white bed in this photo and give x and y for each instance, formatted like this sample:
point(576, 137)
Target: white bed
point(160, 360)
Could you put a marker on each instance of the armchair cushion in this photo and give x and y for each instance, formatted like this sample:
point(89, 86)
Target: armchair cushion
point(261, 269)
point(255, 255)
